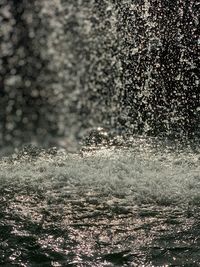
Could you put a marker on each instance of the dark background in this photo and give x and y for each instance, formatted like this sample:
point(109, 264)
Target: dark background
point(71, 65)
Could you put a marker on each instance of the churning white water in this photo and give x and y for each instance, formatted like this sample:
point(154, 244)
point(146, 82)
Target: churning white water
point(133, 205)
point(147, 172)
point(121, 199)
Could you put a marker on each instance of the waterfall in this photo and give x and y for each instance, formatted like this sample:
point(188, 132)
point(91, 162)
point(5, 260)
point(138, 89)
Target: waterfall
point(128, 66)
point(99, 133)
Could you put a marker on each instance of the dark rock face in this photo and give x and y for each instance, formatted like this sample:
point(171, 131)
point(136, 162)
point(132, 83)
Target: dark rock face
point(129, 65)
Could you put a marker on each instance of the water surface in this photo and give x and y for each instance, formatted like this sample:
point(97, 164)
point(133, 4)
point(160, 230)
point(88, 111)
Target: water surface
point(108, 206)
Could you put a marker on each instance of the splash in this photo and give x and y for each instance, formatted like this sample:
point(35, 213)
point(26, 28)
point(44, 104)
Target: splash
point(104, 206)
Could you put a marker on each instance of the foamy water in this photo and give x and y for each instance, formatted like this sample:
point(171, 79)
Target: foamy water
point(101, 206)
point(142, 174)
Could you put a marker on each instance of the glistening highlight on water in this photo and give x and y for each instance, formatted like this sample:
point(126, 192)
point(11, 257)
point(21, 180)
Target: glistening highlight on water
point(99, 133)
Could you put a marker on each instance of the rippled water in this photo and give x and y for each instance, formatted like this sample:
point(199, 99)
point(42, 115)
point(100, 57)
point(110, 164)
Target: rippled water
point(109, 74)
point(106, 206)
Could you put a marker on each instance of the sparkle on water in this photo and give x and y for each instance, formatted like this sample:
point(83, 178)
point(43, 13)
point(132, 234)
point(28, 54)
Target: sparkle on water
point(101, 207)
point(111, 74)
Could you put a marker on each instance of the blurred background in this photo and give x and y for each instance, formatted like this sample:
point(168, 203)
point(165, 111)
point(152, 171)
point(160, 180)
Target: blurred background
point(128, 66)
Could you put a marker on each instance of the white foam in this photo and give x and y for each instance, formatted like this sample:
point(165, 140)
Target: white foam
point(138, 176)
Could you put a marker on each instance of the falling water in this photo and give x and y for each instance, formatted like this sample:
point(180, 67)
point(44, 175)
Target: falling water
point(131, 66)
point(99, 133)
